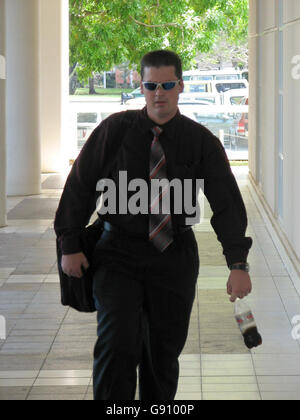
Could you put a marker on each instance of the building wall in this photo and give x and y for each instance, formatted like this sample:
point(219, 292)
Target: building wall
point(22, 97)
point(2, 117)
point(291, 123)
point(33, 95)
point(274, 103)
point(54, 69)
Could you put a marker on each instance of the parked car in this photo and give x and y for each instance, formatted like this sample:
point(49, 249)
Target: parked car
point(234, 96)
point(86, 123)
point(136, 93)
point(207, 98)
point(243, 122)
point(215, 121)
point(237, 136)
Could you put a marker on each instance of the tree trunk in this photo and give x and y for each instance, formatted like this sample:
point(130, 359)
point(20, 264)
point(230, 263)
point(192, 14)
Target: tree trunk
point(72, 84)
point(91, 86)
point(72, 79)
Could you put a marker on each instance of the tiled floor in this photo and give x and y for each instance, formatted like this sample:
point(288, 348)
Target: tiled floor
point(47, 353)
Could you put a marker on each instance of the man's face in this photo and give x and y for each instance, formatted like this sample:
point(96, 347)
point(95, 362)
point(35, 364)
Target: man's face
point(161, 104)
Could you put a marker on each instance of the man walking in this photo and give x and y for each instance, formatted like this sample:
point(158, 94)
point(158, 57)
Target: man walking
point(146, 264)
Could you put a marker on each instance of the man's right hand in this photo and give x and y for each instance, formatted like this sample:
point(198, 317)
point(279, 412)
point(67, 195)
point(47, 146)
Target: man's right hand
point(71, 264)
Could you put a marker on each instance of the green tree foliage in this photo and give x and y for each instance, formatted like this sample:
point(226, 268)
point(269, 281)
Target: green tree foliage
point(110, 32)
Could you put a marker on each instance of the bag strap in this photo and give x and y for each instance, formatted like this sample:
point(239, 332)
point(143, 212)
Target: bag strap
point(128, 118)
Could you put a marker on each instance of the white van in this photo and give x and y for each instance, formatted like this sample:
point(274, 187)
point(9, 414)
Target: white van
point(86, 123)
point(224, 74)
point(213, 86)
point(234, 96)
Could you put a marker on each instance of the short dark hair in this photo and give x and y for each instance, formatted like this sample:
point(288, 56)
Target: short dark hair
point(161, 58)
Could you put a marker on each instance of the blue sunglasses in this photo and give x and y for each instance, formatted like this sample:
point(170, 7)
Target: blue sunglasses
point(165, 85)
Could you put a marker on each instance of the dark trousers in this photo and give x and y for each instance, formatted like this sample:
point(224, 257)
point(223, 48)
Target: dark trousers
point(143, 300)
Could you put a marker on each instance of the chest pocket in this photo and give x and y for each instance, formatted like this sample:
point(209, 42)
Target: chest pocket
point(186, 170)
point(187, 161)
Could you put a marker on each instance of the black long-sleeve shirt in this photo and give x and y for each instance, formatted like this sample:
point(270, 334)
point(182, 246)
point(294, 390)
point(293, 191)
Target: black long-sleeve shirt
point(122, 143)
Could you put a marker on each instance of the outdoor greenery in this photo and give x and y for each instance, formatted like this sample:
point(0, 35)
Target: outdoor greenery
point(238, 162)
point(102, 91)
point(110, 32)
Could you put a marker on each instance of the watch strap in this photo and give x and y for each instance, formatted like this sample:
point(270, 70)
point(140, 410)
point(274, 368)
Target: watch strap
point(240, 266)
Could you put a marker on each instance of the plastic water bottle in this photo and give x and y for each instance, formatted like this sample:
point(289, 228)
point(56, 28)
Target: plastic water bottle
point(247, 324)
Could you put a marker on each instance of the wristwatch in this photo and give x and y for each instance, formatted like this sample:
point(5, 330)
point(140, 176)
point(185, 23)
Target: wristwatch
point(240, 266)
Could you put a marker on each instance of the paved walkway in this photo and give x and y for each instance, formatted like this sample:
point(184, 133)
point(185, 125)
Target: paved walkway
point(47, 353)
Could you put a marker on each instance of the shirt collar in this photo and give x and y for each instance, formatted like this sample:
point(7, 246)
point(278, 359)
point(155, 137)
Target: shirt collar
point(170, 128)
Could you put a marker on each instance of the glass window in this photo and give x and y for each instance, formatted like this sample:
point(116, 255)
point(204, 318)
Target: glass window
point(198, 88)
point(227, 77)
point(223, 87)
point(236, 100)
point(87, 117)
point(203, 77)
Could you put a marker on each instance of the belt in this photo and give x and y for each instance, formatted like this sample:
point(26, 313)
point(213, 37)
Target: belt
point(178, 230)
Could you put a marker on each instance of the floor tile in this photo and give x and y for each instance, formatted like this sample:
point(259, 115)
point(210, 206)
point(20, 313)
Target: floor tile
point(19, 374)
point(237, 388)
point(56, 397)
point(244, 396)
point(61, 381)
point(184, 396)
point(190, 357)
point(5, 272)
point(14, 393)
point(229, 380)
point(280, 396)
point(183, 388)
point(9, 382)
point(65, 374)
point(21, 362)
point(192, 380)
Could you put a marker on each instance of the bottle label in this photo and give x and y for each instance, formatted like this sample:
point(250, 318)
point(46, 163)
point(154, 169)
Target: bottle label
point(245, 321)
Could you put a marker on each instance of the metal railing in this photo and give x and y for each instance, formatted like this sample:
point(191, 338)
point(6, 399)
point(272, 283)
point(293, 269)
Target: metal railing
point(222, 121)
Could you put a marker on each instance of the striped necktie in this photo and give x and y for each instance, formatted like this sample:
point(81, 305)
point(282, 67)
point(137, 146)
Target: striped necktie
point(160, 223)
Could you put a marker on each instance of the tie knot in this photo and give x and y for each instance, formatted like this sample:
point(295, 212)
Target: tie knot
point(156, 130)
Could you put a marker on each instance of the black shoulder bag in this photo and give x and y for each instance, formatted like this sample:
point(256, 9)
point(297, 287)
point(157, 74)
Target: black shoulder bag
point(78, 292)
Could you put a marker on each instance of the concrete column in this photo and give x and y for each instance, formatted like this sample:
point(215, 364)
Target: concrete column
point(54, 84)
point(22, 97)
point(253, 81)
point(2, 117)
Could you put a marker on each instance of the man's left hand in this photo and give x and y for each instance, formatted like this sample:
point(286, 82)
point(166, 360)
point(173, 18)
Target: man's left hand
point(238, 285)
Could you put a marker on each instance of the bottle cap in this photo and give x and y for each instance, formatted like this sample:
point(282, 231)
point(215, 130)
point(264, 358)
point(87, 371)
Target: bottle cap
point(252, 338)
